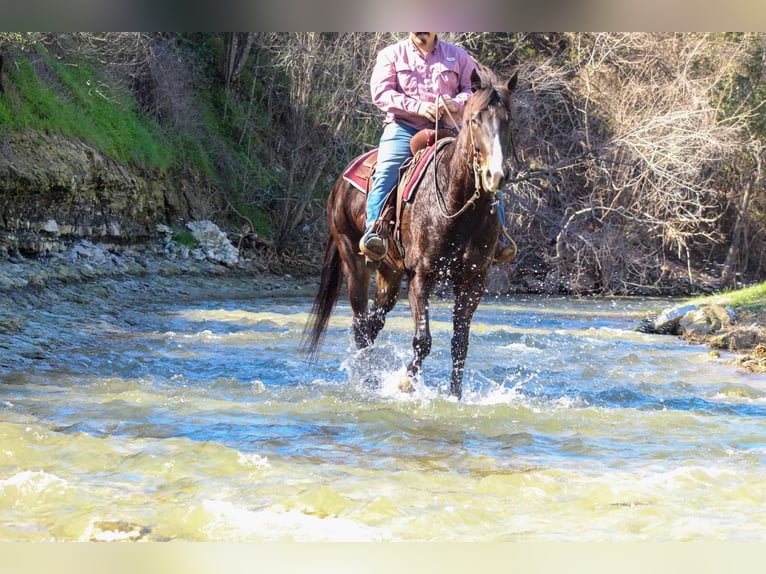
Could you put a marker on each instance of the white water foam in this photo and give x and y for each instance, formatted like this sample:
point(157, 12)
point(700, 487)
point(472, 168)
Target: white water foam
point(254, 461)
point(230, 522)
point(34, 482)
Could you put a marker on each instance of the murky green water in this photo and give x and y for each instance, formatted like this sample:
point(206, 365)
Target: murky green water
point(196, 418)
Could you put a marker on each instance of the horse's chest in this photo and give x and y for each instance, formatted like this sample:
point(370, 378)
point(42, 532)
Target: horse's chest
point(465, 244)
point(476, 256)
point(452, 257)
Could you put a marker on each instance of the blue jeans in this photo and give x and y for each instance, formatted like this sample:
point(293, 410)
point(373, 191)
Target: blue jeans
point(501, 212)
point(393, 150)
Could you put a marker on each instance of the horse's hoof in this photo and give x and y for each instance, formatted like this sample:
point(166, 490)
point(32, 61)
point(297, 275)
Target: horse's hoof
point(405, 385)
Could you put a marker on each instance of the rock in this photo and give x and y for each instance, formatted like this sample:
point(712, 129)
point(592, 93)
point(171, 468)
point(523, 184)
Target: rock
point(15, 256)
point(737, 339)
point(213, 243)
point(702, 322)
point(165, 231)
point(88, 251)
point(668, 322)
point(754, 362)
point(55, 187)
point(115, 530)
point(12, 324)
point(198, 255)
point(50, 226)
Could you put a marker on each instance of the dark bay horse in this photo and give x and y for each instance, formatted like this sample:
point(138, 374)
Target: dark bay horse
point(448, 231)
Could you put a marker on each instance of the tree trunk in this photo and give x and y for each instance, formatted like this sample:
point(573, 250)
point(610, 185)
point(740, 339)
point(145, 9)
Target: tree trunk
point(728, 277)
point(238, 46)
point(2, 63)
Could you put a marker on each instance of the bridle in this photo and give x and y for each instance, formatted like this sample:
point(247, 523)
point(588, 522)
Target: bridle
point(475, 162)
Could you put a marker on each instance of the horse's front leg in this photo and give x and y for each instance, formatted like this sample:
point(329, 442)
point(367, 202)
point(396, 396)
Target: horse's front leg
point(467, 297)
point(421, 341)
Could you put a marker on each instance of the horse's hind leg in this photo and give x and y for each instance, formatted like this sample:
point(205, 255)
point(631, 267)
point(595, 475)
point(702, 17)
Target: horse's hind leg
point(389, 282)
point(358, 285)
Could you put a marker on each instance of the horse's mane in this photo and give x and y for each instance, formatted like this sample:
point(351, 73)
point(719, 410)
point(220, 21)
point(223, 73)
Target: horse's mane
point(489, 92)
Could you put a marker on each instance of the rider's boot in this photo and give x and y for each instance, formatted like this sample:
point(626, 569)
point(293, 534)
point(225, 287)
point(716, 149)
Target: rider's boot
point(373, 246)
point(504, 251)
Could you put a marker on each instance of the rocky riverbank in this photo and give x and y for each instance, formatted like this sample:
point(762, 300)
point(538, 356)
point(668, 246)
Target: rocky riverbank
point(719, 327)
point(80, 269)
point(87, 276)
point(73, 261)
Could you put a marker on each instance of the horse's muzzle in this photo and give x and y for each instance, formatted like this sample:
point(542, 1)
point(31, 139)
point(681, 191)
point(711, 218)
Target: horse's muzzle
point(494, 180)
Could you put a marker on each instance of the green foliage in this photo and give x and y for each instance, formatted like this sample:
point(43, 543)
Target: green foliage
point(246, 133)
point(184, 237)
point(752, 297)
point(744, 90)
point(74, 103)
point(191, 151)
point(261, 221)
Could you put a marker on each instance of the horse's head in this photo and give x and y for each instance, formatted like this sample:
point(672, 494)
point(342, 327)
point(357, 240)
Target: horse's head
point(488, 119)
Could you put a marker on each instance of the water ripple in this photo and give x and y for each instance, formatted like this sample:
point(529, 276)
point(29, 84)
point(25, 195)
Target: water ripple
point(200, 420)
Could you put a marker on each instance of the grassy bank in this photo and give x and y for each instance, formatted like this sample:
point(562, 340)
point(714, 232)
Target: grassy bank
point(749, 302)
point(74, 103)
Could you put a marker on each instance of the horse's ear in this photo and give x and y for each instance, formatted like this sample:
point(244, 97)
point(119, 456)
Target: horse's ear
point(511, 83)
point(475, 80)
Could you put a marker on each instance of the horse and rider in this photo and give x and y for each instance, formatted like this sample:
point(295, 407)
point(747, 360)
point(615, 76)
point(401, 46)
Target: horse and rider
point(450, 228)
point(416, 82)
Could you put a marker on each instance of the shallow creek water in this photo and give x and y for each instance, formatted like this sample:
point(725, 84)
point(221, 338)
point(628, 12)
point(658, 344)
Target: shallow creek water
point(190, 414)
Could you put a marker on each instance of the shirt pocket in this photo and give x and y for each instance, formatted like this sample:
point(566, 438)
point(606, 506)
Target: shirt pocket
point(407, 78)
point(446, 78)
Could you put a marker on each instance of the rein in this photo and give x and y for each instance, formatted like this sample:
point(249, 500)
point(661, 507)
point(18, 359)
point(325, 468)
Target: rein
point(476, 173)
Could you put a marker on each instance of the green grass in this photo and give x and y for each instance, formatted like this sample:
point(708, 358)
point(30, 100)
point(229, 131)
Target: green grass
point(75, 103)
point(752, 298)
point(184, 237)
point(260, 219)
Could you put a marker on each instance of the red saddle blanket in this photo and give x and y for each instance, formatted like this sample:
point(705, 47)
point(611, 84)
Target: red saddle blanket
point(359, 173)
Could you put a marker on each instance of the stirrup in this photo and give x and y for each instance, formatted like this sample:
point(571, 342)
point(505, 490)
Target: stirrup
point(373, 246)
point(504, 251)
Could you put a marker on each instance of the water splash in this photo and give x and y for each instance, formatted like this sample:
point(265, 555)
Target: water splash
point(199, 420)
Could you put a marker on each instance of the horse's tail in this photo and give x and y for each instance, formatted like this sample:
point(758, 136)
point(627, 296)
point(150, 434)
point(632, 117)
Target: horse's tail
point(327, 296)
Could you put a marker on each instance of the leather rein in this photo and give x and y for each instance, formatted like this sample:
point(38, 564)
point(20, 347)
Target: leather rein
point(475, 165)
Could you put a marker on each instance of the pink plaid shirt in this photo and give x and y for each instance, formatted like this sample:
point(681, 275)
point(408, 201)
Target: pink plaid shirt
point(403, 77)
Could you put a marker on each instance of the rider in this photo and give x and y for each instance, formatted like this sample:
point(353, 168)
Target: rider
point(405, 82)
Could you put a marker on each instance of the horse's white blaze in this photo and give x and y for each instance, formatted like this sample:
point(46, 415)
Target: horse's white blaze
point(494, 173)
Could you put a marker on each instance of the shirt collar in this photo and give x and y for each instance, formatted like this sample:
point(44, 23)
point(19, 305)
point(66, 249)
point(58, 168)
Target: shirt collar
point(417, 51)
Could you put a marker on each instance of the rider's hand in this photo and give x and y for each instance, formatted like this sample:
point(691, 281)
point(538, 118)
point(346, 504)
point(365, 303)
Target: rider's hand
point(448, 103)
point(428, 110)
